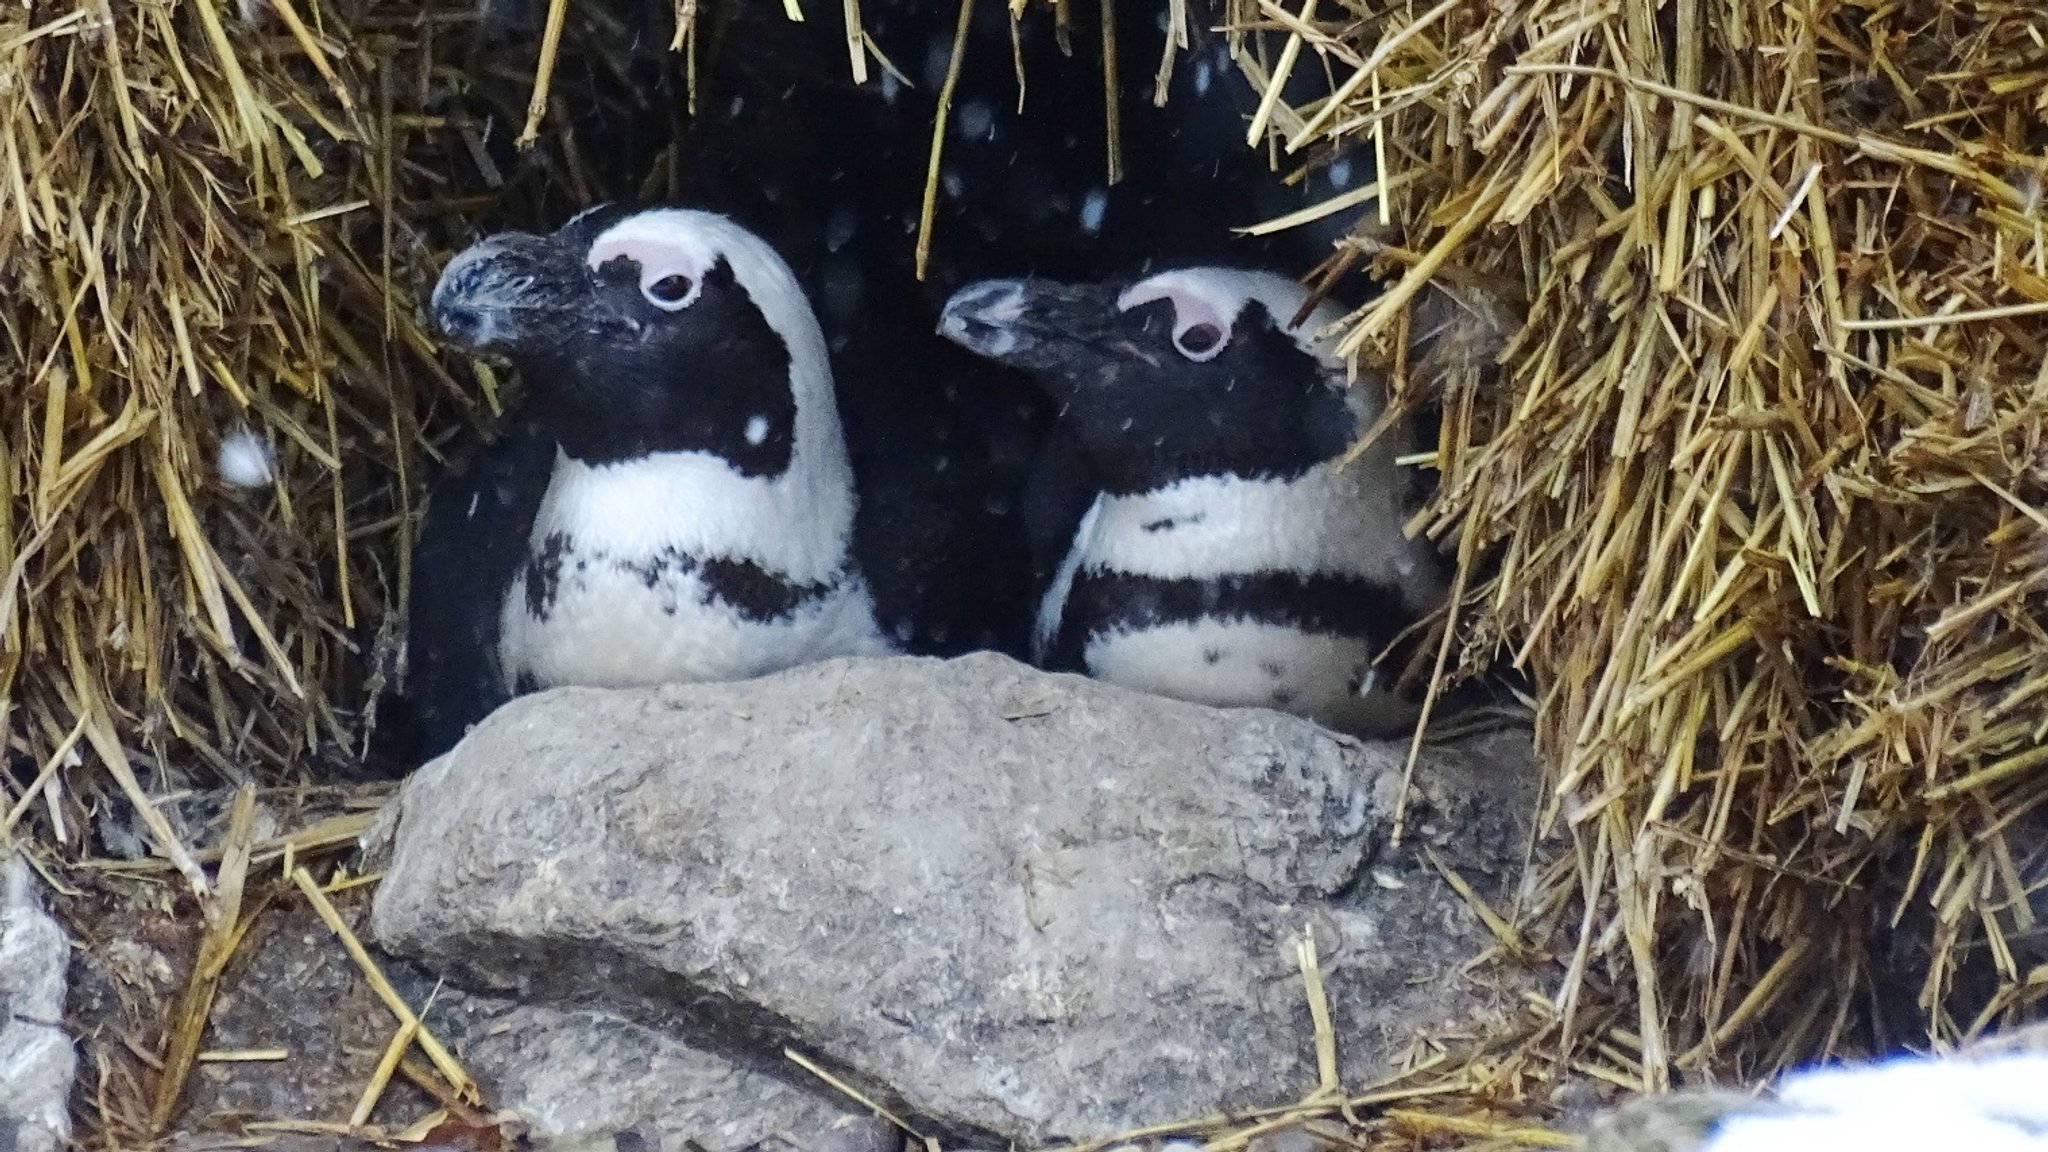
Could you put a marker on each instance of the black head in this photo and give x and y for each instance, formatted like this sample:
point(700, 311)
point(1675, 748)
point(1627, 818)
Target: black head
point(1194, 372)
point(661, 330)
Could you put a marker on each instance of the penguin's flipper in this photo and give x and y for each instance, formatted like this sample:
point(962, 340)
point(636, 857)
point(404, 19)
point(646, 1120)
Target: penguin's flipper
point(473, 537)
point(1057, 494)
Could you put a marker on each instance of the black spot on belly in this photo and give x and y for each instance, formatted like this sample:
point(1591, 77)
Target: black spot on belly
point(1282, 697)
point(1273, 668)
point(751, 590)
point(544, 575)
point(1169, 523)
point(755, 592)
point(1212, 655)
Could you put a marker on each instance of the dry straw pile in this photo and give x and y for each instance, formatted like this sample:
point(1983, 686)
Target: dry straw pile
point(1756, 498)
point(1763, 480)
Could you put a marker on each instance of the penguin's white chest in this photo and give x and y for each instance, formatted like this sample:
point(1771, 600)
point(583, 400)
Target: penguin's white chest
point(628, 583)
point(594, 619)
point(1242, 593)
point(1240, 664)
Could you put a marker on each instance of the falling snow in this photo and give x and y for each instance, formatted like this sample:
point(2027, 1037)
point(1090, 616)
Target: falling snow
point(246, 460)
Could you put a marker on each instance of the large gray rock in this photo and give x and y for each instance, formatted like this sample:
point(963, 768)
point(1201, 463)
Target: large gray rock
point(583, 1079)
point(36, 1057)
point(1012, 906)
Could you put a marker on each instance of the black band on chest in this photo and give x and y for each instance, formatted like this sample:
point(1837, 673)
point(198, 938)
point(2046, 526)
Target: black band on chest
point(1104, 601)
point(754, 592)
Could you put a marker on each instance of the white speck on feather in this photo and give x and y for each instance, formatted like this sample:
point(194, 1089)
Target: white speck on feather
point(1204, 73)
point(1340, 174)
point(757, 430)
point(474, 497)
point(732, 111)
point(246, 461)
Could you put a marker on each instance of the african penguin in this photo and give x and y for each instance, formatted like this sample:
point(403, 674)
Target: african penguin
point(1226, 558)
point(674, 502)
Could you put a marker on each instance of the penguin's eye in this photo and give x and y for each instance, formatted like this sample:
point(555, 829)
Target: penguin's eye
point(1199, 341)
point(670, 292)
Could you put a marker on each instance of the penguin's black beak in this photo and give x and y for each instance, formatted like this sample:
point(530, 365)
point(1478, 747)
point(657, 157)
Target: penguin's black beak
point(1038, 326)
point(988, 318)
point(510, 293)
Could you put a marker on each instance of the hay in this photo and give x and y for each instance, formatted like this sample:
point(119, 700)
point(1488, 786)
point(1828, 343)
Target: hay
point(1758, 488)
point(1755, 498)
point(191, 245)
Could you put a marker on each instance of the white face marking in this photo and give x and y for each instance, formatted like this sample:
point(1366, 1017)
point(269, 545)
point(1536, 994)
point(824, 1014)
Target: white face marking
point(1206, 303)
point(671, 268)
point(757, 430)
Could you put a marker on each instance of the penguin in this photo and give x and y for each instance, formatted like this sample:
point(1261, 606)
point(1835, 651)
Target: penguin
point(671, 502)
point(1226, 557)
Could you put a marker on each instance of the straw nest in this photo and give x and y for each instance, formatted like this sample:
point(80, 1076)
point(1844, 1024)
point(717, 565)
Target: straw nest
point(1755, 498)
point(1761, 489)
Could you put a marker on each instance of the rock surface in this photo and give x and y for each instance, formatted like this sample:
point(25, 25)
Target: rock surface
point(1012, 906)
point(36, 1058)
point(582, 1079)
